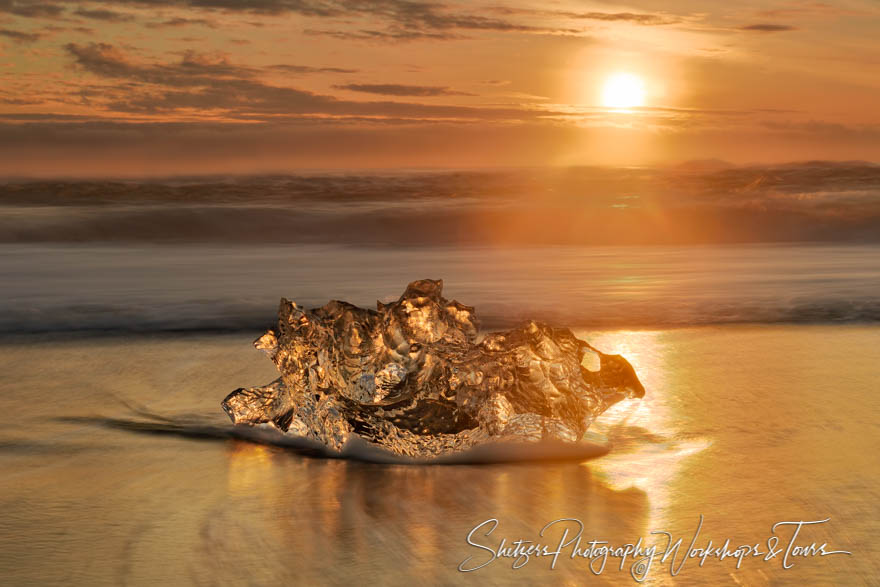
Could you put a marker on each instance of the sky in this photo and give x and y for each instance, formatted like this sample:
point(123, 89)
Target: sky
point(144, 87)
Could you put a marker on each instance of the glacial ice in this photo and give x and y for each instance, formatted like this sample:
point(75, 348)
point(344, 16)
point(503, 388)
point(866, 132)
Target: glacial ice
point(415, 378)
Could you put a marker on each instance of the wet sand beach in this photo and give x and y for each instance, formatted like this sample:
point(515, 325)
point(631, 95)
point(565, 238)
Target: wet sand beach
point(746, 425)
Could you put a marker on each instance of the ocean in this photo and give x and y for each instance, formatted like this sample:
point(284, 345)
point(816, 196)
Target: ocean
point(747, 299)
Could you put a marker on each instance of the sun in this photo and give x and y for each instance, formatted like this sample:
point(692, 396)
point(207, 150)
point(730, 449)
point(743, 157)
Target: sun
point(623, 90)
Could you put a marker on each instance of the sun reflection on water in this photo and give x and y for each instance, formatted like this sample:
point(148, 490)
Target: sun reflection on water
point(248, 466)
point(649, 451)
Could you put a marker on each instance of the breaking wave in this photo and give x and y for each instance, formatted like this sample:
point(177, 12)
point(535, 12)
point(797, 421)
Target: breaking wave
point(197, 316)
point(816, 202)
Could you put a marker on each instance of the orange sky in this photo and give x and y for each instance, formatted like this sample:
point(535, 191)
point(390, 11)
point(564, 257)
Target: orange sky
point(176, 86)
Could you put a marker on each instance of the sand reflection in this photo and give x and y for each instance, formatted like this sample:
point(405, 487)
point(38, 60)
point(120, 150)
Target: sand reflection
point(412, 520)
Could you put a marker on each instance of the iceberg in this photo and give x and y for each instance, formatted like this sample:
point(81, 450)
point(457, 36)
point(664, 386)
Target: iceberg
point(416, 378)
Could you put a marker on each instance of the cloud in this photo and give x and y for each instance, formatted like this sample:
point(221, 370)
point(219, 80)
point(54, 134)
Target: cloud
point(182, 22)
point(635, 18)
point(389, 20)
point(392, 34)
point(403, 20)
point(767, 28)
point(21, 101)
point(103, 14)
point(814, 9)
point(639, 18)
point(193, 69)
point(416, 15)
point(40, 144)
point(206, 84)
point(402, 90)
point(300, 69)
point(101, 147)
point(31, 9)
point(18, 36)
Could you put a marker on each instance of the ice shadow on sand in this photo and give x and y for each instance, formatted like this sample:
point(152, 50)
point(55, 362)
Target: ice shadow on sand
point(199, 427)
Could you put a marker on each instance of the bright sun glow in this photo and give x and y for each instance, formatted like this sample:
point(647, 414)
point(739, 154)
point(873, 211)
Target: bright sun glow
point(623, 90)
